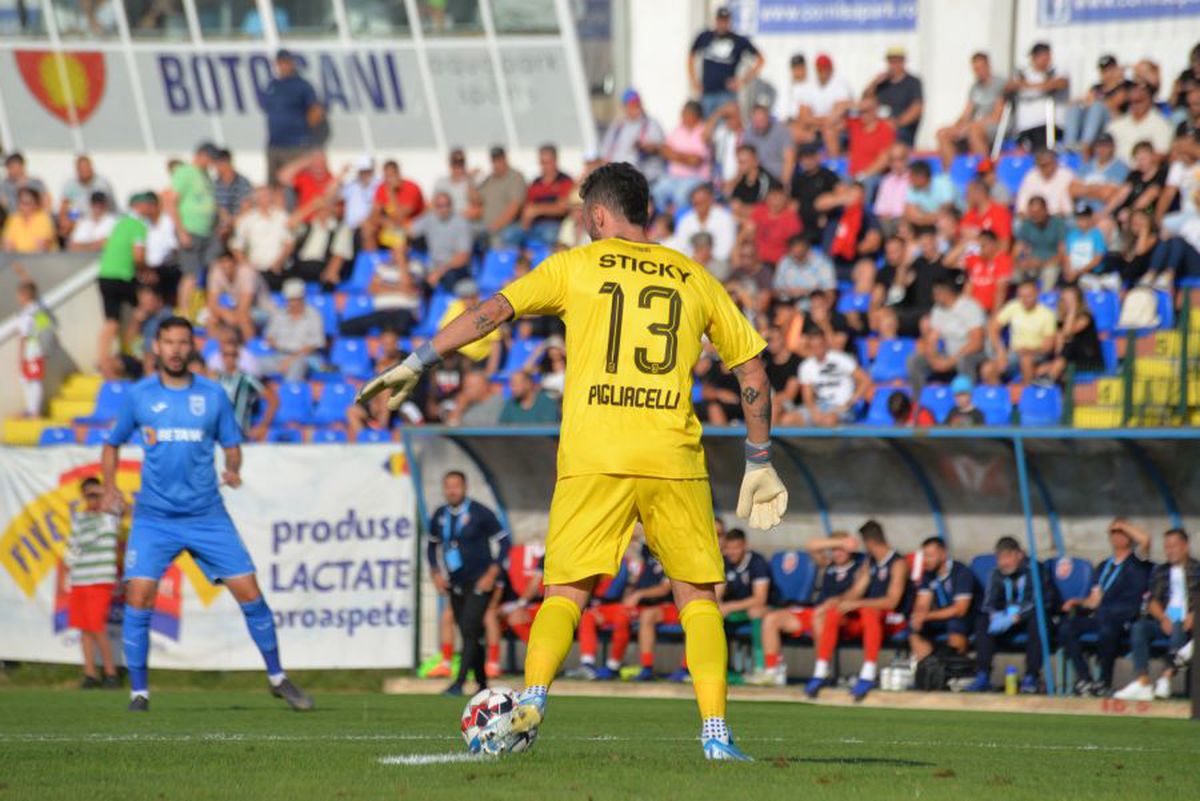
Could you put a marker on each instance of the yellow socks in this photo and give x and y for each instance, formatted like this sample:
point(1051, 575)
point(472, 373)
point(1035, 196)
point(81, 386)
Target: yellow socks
point(551, 637)
point(707, 654)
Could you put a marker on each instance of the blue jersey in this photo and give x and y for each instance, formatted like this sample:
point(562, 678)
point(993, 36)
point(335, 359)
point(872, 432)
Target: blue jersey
point(179, 429)
point(469, 539)
point(740, 579)
point(953, 582)
point(838, 579)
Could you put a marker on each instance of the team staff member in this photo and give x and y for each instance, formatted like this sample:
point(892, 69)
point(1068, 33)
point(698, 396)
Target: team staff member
point(945, 601)
point(635, 314)
point(873, 608)
point(1008, 611)
point(467, 550)
point(1109, 609)
point(839, 559)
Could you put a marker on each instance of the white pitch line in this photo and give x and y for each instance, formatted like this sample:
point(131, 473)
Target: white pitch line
point(430, 759)
point(1007, 745)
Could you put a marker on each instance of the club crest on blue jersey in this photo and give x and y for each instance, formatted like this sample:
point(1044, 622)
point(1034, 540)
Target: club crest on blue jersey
point(196, 404)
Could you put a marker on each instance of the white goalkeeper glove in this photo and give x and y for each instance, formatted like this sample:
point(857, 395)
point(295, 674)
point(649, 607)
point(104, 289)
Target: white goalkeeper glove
point(763, 499)
point(401, 379)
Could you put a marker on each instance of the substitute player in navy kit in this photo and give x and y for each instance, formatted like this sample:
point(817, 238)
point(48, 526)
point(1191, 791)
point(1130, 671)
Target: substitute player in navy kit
point(467, 550)
point(179, 508)
point(945, 603)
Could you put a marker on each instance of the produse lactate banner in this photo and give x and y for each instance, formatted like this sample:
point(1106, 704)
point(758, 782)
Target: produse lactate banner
point(332, 530)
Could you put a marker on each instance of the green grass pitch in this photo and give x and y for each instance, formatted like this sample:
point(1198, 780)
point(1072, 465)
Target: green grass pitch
point(243, 744)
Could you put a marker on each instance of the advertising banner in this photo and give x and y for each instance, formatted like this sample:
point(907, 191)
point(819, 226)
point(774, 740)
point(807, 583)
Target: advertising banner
point(1068, 12)
point(788, 16)
point(332, 530)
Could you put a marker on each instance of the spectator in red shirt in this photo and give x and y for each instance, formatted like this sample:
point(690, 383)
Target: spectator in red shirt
point(870, 139)
point(905, 413)
point(546, 200)
point(309, 177)
point(988, 272)
point(397, 201)
point(773, 223)
point(985, 214)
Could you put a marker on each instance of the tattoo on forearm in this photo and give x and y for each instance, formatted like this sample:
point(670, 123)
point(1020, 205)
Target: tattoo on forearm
point(483, 323)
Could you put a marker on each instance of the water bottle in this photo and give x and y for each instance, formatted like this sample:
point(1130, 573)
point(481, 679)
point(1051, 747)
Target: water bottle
point(1010, 680)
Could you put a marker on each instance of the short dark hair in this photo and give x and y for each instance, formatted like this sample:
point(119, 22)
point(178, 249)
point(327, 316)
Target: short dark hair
point(1145, 144)
point(989, 235)
point(798, 60)
point(935, 540)
point(946, 282)
point(899, 406)
point(31, 192)
point(16, 157)
point(620, 188)
point(174, 321)
point(871, 531)
point(1028, 281)
point(455, 473)
point(1007, 544)
point(735, 534)
point(1177, 532)
point(391, 163)
point(28, 287)
point(1041, 201)
point(90, 481)
point(548, 148)
point(979, 55)
point(745, 147)
point(921, 168)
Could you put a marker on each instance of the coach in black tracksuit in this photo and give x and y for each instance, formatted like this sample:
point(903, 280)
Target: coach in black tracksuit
point(467, 551)
point(1009, 610)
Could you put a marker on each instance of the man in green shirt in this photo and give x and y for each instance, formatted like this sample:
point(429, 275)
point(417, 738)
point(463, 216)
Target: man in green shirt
point(120, 258)
point(528, 404)
point(192, 204)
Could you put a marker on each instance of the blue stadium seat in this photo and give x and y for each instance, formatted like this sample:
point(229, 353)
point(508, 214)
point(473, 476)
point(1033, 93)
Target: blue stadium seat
point(518, 355)
point(352, 356)
point(891, 359)
point(56, 435)
point(1105, 307)
point(95, 436)
point(995, 403)
point(336, 398)
point(357, 306)
point(285, 436)
point(854, 302)
point(840, 165)
point(877, 412)
point(328, 436)
point(108, 403)
point(363, 270)
point(498, 268)
point(982, 566)
point(1072, 160)
point(210, 348)
point(1073, 576)
point(793, 575)
point(1108, 348)
point(1010, 170)
point(433, 314)
point(962, 170)
point(325, 305)
point(227, 301)
point(259, 348)
point(538, 251)
point(1049, 299)
point(938, 400)
point(934, 162)
point(373, 435)
point(1040, 406)
point(295, 404)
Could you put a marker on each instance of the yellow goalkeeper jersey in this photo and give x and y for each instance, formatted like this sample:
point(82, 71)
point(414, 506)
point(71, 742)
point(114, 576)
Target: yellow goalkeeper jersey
point(635, 314)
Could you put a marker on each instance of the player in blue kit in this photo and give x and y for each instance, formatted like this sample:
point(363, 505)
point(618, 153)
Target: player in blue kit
point(179, 507)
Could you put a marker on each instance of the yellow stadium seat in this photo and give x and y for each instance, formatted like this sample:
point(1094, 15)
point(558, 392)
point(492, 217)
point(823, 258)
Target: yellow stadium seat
point(22, 431)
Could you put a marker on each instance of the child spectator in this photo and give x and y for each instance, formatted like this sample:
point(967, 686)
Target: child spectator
point(964, 413)
point(91, 563)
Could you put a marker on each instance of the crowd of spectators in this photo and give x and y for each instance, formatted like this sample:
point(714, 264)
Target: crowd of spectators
point(843, 246)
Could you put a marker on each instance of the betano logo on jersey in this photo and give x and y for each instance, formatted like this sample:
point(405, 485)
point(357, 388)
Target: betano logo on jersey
point(35, 541)
point(64, 82)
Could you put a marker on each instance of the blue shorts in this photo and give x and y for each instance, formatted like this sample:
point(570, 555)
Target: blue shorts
point(212, 541)
point(934, 629)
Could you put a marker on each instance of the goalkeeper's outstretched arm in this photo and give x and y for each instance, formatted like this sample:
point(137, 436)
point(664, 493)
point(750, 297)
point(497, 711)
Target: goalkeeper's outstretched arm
point(475, 323)
point(762, 501)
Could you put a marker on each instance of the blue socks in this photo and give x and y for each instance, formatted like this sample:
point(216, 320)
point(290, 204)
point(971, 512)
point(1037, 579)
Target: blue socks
point(262, 630)
point(135, 635)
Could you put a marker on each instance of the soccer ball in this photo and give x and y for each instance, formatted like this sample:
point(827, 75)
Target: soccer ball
point(486, 722)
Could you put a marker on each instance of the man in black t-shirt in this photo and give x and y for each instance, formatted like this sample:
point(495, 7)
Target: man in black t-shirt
point(900, 92)
point(752, 183)
point(783, 366)
point(721, 52)
point(809, 181)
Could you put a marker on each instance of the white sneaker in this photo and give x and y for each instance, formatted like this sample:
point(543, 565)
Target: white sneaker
point(1135, 691)
point(1162, 688)
point(769, 677)
point(1184, 655)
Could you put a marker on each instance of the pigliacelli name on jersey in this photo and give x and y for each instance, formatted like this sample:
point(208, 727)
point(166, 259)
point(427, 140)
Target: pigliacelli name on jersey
point(645, 266)
point(635, 397)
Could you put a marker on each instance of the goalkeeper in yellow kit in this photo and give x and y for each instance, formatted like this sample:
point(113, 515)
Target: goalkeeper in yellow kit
point(629, 447)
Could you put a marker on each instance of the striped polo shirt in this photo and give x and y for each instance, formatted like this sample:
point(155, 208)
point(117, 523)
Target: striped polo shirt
point(92, 557)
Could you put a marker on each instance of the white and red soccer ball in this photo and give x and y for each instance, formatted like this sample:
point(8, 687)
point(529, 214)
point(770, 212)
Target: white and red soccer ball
point(486, 723)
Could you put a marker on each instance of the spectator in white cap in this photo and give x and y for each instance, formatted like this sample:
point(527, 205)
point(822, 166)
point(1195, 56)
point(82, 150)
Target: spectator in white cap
point(359, 192)
point(297, 334)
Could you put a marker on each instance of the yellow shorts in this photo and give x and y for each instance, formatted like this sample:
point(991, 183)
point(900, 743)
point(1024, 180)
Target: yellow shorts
point(591, 524)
